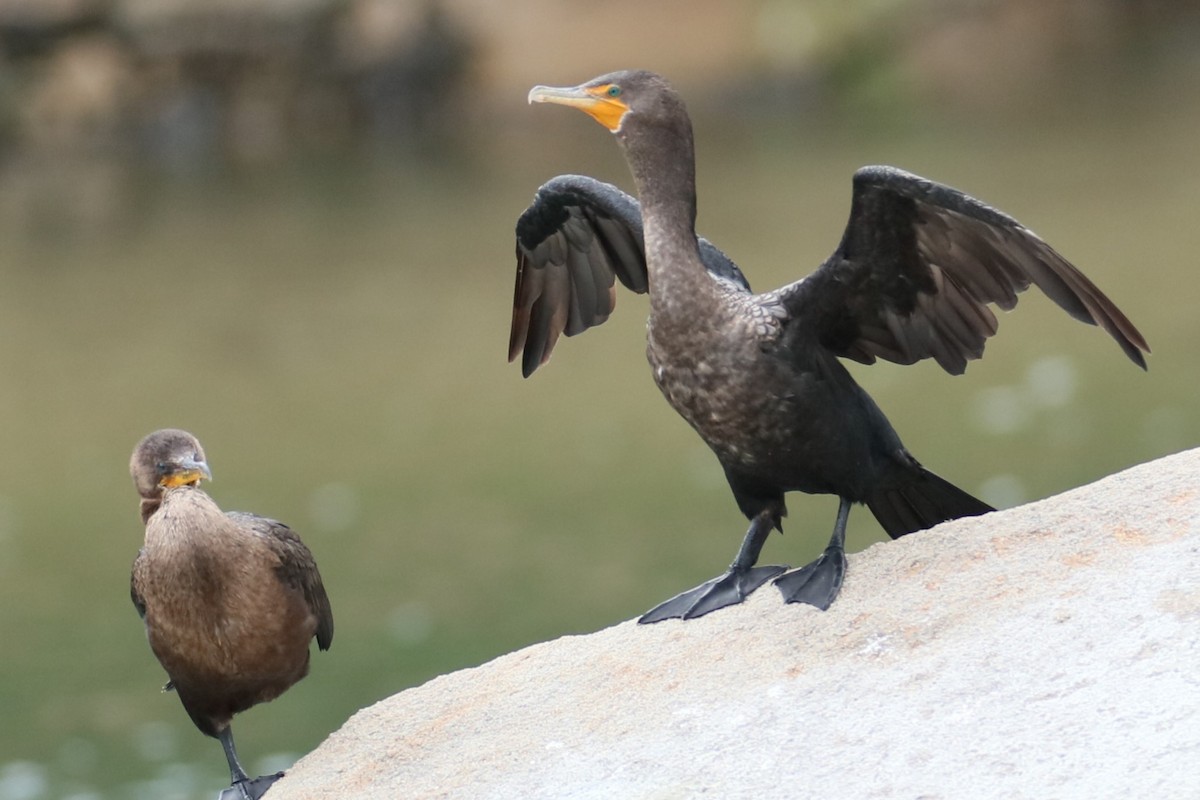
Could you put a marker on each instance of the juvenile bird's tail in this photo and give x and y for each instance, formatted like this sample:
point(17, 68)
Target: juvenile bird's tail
point(916, 499)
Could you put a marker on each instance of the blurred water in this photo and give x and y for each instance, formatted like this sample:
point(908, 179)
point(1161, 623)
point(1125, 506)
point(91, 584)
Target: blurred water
point(335, 336)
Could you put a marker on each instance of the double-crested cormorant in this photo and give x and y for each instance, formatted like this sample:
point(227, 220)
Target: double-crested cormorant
point(230, 600)
point(758, 375)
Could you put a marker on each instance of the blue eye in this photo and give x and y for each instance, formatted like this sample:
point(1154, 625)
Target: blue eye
point(614, 91)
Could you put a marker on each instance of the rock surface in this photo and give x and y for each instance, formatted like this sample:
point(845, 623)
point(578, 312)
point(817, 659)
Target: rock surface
point(1049, 651)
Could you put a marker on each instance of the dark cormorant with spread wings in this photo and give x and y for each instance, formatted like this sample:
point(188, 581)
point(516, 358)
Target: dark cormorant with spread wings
point(758, 376)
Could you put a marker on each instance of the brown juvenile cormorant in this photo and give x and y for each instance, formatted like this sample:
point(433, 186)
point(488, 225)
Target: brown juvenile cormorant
point(230, 600)
point(758, 376)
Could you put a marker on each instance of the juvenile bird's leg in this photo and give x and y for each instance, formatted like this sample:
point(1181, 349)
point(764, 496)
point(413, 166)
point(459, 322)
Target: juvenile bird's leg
point(243, 787)
point(728, 589)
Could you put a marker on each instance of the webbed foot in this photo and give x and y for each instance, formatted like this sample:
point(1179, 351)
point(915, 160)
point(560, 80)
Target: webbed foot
point(250, 789)
point(817, 583)
point(726, 590)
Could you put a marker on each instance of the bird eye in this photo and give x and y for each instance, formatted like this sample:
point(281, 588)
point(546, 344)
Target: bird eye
point(161, 467)
point(614, 91)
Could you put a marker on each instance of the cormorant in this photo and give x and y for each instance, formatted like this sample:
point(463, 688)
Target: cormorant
point(230, 600)
point(758, 376)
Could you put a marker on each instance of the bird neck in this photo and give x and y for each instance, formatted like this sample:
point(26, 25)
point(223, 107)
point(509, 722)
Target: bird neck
point(664, 171)
point(149, 506)
point(152, 503)
point(181, 517)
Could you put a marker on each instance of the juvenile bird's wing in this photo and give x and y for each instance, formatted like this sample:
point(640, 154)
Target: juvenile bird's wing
point(297, 568)
point(134, 593)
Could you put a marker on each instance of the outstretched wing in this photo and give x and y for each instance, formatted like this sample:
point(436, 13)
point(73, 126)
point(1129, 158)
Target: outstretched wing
point(916, 271)
point(577, 238)
point(297, 568)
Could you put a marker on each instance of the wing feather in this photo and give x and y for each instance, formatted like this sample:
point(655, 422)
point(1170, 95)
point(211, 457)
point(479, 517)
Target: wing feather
point(576, 240)
point(135, 593)
point(918, 269)
point(297, 568)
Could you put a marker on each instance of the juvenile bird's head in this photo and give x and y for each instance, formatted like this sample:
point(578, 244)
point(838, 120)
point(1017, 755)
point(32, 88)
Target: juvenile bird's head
point(165, 460)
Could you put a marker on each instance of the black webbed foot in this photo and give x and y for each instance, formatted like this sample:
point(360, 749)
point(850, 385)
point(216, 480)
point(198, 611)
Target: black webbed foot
point(817, 583)
point(726, 590)
point(250, 789)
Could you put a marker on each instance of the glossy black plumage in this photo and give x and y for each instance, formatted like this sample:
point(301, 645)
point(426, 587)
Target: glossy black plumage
point(758, 376)
point(912, 278)
point(574, 242)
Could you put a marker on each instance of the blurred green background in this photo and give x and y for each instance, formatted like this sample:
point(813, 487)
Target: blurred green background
point(287, 227)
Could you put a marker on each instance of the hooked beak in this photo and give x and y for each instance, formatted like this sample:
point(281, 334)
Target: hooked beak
point(592, 100)
point(187, 472)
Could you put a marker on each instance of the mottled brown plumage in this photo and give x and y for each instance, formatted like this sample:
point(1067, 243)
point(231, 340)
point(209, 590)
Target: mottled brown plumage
point(231, 601)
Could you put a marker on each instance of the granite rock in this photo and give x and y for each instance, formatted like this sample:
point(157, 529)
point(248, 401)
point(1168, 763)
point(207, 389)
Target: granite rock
point(1048, 651)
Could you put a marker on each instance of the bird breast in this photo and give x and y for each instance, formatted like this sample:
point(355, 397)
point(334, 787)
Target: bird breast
point(713, 369)
point(214, 605)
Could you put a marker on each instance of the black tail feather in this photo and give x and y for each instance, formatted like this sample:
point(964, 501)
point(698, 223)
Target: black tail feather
point(917, 499)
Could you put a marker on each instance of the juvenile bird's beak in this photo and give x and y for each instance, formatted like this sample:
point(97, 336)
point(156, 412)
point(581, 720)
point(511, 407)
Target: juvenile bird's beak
point(593, 100)
point(188, 471)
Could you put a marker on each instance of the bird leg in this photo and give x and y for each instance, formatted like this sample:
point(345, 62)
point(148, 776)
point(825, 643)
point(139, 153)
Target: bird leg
point(728, 589)
point(243, 787)
point(818, 583)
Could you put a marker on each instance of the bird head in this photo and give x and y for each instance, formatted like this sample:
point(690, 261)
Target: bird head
point(613, 98)
point(167, 459)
